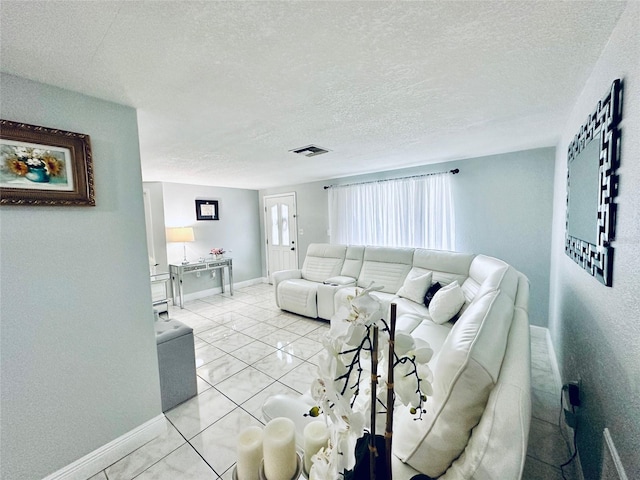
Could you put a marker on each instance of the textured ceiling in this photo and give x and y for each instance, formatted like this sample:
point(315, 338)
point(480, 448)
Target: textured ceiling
point(225, 89)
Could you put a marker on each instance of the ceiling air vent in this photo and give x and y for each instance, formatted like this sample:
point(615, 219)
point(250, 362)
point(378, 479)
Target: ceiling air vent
point(310, 150)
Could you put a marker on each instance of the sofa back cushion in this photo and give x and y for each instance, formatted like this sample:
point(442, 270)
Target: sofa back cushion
point(353, 261)
point(446, 266)
point(487, 274)
point(323, 261)
point(386, 267)
point(464, 372)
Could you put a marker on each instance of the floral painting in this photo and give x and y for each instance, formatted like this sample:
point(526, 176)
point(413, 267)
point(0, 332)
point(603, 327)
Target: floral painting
point(44, 166)
point(24, 165)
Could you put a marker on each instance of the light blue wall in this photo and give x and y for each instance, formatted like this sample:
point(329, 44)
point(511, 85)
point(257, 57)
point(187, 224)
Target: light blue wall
point(154, 190)
point(237, 231)
point(78, 354)
point(503, 208)
point(596, 329)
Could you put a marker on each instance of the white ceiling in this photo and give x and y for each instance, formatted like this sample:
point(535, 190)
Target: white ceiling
point(225, 89)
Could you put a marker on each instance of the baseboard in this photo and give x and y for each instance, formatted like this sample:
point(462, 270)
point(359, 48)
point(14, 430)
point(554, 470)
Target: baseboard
point(554, 360)
point(110, 453)
point(214, 291)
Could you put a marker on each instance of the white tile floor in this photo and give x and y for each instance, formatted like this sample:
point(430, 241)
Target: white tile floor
point(247, 350)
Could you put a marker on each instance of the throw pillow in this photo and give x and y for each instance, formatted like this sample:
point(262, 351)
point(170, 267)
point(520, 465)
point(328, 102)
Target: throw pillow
point(431, 292)
point(446, 303)
point(415, 285)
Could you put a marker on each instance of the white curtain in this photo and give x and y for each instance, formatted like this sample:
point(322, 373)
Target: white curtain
point(408, 212)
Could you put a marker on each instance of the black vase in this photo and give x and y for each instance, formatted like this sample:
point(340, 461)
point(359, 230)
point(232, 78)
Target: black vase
point(361, 470)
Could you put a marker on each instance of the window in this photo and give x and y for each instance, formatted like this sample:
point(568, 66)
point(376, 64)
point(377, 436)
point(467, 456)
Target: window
point(407, 212)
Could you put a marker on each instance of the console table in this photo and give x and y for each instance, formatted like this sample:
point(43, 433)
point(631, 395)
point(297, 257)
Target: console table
point(159, 297)
point(177, 273)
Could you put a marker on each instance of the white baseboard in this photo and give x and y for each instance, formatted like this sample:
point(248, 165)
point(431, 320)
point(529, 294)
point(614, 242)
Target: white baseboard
point(214, 291)
point(110, 453)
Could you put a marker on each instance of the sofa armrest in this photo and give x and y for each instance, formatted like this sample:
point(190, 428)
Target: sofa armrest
point(285, 275)
point(281, 276)
point(327, 291)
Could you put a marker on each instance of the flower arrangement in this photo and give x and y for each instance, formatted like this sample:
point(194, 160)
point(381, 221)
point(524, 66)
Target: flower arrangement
point(217, 251)
point(359, 334)
point(35, 164)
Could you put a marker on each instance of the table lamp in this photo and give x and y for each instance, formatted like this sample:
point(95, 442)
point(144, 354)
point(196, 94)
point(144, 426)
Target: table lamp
point(181, 234)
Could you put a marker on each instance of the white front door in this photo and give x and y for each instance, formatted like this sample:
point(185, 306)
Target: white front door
point(281, 232)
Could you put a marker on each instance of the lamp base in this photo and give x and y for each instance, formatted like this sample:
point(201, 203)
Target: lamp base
point(184, 250)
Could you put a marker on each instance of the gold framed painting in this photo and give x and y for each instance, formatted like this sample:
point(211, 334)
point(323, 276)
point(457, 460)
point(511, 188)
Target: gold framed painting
point(44, 166)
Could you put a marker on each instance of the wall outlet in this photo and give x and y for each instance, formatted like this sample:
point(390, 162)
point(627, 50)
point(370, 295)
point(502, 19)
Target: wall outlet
point(198, 274)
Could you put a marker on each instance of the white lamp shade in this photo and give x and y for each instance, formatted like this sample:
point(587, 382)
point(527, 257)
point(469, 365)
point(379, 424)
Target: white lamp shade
point(180, 234)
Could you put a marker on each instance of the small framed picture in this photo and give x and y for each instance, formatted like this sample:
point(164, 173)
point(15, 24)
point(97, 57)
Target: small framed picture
point(207, 210)
point(44, 166)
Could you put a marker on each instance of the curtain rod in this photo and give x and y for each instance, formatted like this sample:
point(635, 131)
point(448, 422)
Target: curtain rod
point(452, 172)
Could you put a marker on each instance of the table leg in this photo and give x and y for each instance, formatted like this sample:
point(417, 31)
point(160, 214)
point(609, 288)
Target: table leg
point(230, 267)
point(181, 291)
point(173, 289)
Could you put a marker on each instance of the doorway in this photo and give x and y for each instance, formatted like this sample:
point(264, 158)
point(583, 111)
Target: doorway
point(281, 232)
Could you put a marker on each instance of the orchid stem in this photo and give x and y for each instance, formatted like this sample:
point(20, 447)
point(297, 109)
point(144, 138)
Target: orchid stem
point(388, 433)
point(373, 453)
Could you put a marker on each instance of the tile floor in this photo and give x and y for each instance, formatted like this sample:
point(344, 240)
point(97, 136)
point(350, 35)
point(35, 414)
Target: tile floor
point(247, 350)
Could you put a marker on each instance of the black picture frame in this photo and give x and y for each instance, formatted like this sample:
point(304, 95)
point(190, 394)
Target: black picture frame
point(207, 210)
point(601, 127)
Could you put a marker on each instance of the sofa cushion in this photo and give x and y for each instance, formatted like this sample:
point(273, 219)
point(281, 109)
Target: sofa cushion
point(446, 266)
point(487, 274)
point(340, 298)
point(416, 284)
point(386, 267)
point(408, 322)
point(431, 291)
point(407, 307)
point(465, 370)
point(446, 303)
point(432, 333)
point(323, 261)
point(353, 261)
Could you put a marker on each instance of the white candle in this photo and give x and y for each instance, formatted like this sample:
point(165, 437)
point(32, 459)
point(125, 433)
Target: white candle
point(316, 436)
point(279, 444)
point(249, 453)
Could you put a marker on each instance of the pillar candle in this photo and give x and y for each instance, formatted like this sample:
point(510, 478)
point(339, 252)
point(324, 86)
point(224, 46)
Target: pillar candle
point(249, 453)
point(316, 436)
point(280, 459)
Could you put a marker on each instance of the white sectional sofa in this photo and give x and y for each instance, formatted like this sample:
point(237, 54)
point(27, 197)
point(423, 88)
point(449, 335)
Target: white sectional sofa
point(477, 420)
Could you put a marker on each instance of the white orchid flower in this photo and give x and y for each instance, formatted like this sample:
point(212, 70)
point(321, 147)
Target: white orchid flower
point(345, 434)
point(355, 334)
point(322, 465)
point(422, 351)
point(365, 309)
point(426, 378)
point(405, 384)
point(403, 344)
